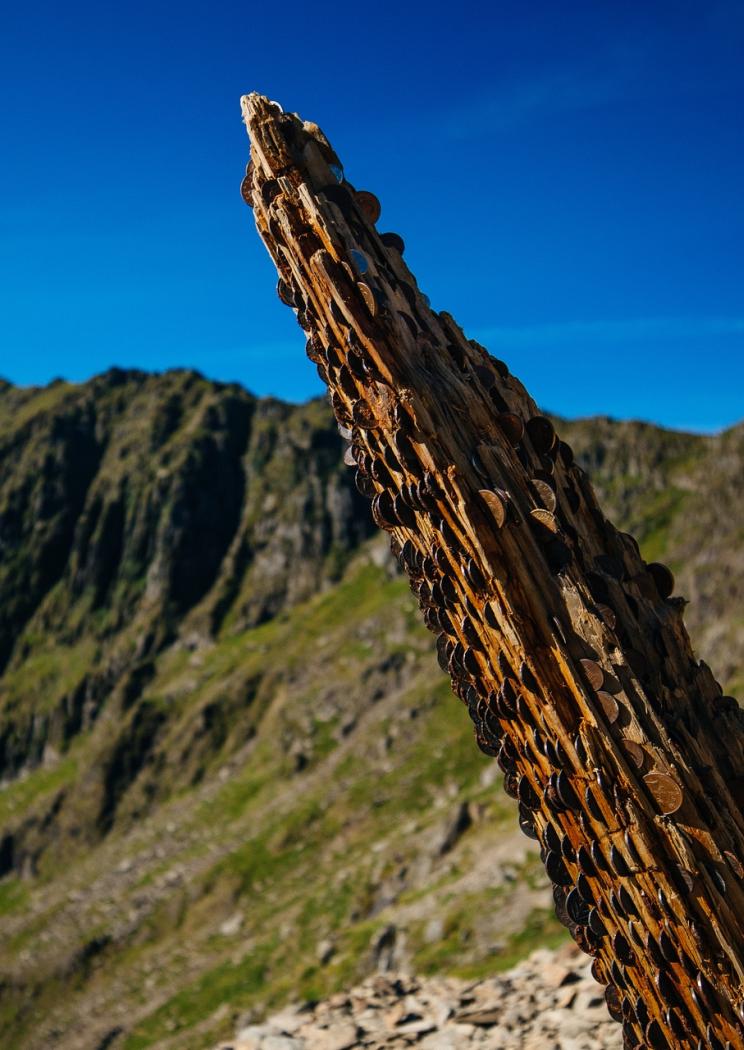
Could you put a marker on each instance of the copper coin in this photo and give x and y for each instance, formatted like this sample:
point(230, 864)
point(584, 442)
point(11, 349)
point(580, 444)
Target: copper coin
point(556, 869)
point(246, 190)
point(369, 298)
point(512, 426)
point(474, 575)
point(666, 947)
point(552, 838)
point(546, 494)
point(393, 240)
point(599, 971)
point(609, 706)
point(663, 578)
point(565, 790)
point(608, 616)
point(270, 190)
point(618, 862)
point(528, 797)
point(541, 434)
point(577, 908)
point(364, 416)
point(614, 1002)
point(623, 951)
point(593, 672)
point(526, 824)
point(545, 518)
point(495, 504)
point(285, 293)
point(511, 785)
point(368, 205)
point(666, 792)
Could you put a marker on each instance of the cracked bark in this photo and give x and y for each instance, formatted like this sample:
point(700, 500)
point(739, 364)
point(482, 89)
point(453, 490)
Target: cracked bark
point(568, 650)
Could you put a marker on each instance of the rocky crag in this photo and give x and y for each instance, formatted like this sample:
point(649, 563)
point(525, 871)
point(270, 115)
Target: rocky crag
point(549, 1001)
point(233, 775)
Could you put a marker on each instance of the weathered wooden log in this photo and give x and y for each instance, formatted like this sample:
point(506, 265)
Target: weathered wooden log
point(567, 649)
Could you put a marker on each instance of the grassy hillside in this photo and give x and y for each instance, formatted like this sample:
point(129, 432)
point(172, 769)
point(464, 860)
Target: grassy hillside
point(232, 772)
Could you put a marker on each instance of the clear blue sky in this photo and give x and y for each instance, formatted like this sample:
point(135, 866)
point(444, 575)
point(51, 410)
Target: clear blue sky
point(567, 176)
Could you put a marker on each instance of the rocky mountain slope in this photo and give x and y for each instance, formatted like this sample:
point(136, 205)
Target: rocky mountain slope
point(232, 773)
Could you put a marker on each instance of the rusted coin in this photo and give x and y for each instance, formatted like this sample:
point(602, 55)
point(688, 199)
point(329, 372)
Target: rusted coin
point(369, 297)
point(403, 512)
point(655, 1037)
point(665, 791)
point(609, 706)
point(676, 1025)
point(577, 908)
point(592, 805)
point(623, 951)
point(363, 416)
point(485, 745)
point(246, 190)
point(596, 925)
point(717, 878)
point(608, 616)
point(556, 869)
point(666, 946)
point(511, 785)
point(593, 672)
point(368, 205)
point(541, 433)
point(618, 862)
point(474, 575)
point(552, 838)
point(393, 240)
point(599, 971)
point(546, 494)
point(566, 454)
point(512, 427)
point(614, 1002)
point(495, 505)
point(545, 519)
point(527, 824)
point(270, 190)
point(662, 577)
point(565, 790)
point(470, 663)
point(528, 797)
point(285, 293)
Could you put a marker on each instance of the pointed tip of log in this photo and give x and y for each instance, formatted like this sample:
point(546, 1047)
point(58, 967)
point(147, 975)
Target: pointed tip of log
point(254, 104)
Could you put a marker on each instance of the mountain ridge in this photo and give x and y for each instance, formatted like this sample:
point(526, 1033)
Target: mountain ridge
point(215, 694)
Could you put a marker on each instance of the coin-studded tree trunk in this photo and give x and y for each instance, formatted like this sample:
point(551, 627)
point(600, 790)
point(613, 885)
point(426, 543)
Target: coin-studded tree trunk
point(565, 647)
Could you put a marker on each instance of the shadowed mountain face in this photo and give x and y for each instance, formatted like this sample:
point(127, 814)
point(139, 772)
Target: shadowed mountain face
point(232, 772)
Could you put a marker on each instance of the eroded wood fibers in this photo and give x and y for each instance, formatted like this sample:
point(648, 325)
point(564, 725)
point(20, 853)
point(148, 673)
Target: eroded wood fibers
point(567, 650)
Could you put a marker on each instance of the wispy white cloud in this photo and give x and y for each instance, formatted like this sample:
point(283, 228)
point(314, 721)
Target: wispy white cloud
point(628, 330)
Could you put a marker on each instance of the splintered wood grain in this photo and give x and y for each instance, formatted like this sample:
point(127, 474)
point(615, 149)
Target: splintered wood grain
point(568, 651)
